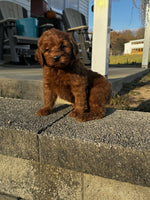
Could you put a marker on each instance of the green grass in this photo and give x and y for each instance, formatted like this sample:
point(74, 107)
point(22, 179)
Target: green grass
point(126, 59)
point(120, 102)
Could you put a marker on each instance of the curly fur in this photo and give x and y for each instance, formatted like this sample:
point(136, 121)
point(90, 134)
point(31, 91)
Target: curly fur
point(64, 75)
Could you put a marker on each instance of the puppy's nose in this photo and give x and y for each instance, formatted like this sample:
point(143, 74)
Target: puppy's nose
point(56, 58)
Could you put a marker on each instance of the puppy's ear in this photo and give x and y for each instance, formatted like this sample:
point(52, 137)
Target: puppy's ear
point(74, 46)
point(39, 57)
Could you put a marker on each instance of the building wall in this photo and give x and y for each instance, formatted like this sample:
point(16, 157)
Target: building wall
point(127, 48)
point(23, 3)
point(39, 7)
point(80, 5)
point(134, 47)
point(84, 8)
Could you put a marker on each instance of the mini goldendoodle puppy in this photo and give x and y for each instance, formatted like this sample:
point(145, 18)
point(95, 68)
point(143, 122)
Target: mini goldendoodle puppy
point(64, 75)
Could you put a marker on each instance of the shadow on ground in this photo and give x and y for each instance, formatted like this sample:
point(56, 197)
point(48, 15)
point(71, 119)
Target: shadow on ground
point(144, 106)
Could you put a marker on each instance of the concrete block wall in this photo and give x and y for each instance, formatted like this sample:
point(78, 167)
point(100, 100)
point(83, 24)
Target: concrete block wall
point(30, 180)
point(56, 157)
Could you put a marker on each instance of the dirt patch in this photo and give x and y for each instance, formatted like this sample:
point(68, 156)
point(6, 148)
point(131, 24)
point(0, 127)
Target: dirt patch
point(134, 96)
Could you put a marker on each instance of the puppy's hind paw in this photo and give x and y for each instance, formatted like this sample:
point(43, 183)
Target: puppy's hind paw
point(89, 116)
point(43, 111)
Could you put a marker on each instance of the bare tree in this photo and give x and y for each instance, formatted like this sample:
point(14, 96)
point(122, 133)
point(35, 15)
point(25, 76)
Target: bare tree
point(140, 33)
point(142, 8)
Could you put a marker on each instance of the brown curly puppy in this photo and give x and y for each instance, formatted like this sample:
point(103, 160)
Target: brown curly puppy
point(64, 75)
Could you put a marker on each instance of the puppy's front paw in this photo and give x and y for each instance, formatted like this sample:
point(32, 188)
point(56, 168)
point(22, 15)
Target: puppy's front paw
point(77, 115)
point(43, 111)
point(76, 112)
point(73, 113)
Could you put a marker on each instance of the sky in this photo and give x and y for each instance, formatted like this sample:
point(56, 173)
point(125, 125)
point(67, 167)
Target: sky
point(124, 15)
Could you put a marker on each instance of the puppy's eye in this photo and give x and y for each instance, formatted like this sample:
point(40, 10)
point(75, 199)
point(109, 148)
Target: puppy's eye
point(62, 46)
point(47, 50)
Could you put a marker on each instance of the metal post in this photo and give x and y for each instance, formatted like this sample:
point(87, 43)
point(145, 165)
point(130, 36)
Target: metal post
point(146, 48)
point(101, 36)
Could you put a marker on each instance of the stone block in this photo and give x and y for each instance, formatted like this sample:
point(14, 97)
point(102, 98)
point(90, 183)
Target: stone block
point(115, 147)
point(18, 143)
point(97, 188)
point(31, 180)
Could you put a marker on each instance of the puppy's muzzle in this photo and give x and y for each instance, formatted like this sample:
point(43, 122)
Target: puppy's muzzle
point(56, 58)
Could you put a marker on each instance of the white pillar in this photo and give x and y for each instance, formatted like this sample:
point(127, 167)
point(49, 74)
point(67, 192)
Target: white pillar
point(146, 39)
point(101, 36)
